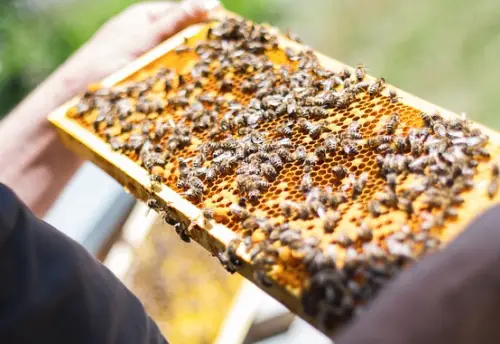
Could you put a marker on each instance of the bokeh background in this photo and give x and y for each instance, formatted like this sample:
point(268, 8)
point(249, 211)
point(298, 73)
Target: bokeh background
point(444, 51)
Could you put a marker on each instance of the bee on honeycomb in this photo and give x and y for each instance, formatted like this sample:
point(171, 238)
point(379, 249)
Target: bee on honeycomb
point(325, 173)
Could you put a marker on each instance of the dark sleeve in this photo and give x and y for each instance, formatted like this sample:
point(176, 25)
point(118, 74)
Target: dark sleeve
point(53, 291)
point(449, 297)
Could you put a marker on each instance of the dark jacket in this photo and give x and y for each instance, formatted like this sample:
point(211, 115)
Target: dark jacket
point(53, 291)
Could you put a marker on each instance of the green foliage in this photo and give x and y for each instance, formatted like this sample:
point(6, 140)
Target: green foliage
point(257, 10)
point(34, 41)
point(444, 51)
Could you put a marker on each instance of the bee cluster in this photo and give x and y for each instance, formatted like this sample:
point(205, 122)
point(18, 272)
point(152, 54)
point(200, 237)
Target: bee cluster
point(248, 115)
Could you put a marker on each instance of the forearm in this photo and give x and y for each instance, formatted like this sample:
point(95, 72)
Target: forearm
point(450, 297)
point(34, 163)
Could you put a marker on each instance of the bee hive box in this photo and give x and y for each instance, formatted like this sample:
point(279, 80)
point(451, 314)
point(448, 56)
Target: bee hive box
point(188, 308)
point(306, 176)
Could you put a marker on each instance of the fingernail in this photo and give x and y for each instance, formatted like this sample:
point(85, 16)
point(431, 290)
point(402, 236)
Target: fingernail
point(203, 5)
point(210, 4)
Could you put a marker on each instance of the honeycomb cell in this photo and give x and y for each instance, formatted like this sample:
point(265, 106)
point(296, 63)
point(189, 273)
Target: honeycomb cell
point(372, 114)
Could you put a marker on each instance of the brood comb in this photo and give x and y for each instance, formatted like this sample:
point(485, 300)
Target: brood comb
point(315, 181)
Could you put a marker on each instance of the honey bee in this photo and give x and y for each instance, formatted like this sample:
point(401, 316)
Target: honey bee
point(330, 143)
point(350, 147)
point(226, 85)
point(450, 212)
point(331, 221)
point(375, 208)
point(210, 174)
point(393, 96)
point(248, 86)
point(376, 87)
point(275, 161)
point(439, 129)
point(311, 241)
point(182, 49)
point(400, 144)
point(416, 147)
point(336, 199)
point(392, 124)
point(285, 129)
point(311, 160)
point(306, 184)
point(291, 107)
point(239, 212)
point(231, 249)
point(262, 185)
point(353, 131)
point(376, 141)
point(268, 171)
point(261, 277)
point(181, 230)
point(153, 203)
point(301, 153)
point(426, 118)
point(391, 179)
point(303, 211)
point(344, 240)
point(389, 198)
point(406, 205)
point(315, 130)
point(224, 260)
point(320, 153)
point(384, 148)
point(193, 194)
point(345, 73)
point(343, 99)
point(156, 180)
point(339, 171)
point(116, 144)
point(483, 153)
point(360, 87)
point(207, 213)
point(359, 185)
point(289, 236)
point(360, 72)
point(348, 84)
point(285, 154)
point(436, 116)
point(364, 233)
point(317, 111)
point(493, 185)
point(250, 224)
point(195, 182)
point(286, 208)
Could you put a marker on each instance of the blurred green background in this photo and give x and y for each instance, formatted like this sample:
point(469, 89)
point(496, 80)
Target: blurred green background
point(444, 51)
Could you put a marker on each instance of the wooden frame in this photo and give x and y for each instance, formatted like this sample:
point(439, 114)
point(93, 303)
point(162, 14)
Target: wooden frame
point(136, 181)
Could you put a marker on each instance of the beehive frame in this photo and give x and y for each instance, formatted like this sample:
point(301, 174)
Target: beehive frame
point(136, 180)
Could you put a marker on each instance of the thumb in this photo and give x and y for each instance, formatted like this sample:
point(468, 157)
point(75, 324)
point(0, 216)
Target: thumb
point(189, 12)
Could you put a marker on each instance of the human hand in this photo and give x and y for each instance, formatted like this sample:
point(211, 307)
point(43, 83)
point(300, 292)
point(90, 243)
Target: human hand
point(127, 36)
point(40, 166)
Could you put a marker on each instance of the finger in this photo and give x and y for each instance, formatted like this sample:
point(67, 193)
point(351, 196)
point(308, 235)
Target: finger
point(160, 9)
point(189, 12)
point(193, 6)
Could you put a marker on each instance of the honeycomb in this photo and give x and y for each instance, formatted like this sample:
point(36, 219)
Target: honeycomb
point(188, 308)
point(360, 251)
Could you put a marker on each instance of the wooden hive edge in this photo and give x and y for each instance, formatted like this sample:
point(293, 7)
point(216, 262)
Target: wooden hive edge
point(135, 180)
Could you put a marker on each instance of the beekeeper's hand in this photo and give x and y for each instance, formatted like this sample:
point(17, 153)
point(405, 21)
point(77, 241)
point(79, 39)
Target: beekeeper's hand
point(35, 164)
